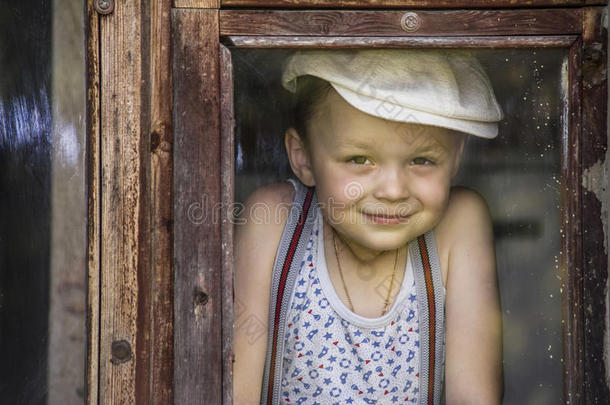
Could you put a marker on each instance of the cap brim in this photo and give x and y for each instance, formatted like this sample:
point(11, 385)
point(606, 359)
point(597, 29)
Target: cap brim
point(388, 110)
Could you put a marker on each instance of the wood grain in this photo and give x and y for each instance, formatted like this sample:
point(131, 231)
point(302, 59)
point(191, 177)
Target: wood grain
point(406, 3)
point(135, 283)
point(93, 205)
point(198, 300)
point(571, 229)
point(197, 4)
point(296, 42)
point(121, 196)
point(594, 197)
point(158, 374)
point(227, 167)
point(131, 218)
point(388, 23)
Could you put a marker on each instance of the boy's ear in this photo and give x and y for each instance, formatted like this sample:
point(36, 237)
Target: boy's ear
point(298, 156)
point(458, 154)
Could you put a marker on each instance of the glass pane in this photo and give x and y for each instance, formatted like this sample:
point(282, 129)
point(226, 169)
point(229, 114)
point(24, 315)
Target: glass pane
point(518, 173)
point(42, 202)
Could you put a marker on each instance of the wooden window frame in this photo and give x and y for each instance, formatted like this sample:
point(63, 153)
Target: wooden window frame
point(163, 283)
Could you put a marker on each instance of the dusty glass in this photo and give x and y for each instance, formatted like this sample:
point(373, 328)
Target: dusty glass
point(518, 173)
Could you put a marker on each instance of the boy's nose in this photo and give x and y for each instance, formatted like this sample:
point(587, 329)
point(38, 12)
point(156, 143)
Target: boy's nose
point(391, 186)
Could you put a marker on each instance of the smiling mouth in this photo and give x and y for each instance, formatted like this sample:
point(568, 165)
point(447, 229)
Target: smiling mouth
point(386, 219)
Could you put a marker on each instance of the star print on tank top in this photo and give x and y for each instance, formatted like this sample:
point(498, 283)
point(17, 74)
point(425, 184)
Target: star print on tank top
point(334, 356)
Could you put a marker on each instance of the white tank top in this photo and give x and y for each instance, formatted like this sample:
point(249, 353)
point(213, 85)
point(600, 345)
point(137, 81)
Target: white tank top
point(334, 356)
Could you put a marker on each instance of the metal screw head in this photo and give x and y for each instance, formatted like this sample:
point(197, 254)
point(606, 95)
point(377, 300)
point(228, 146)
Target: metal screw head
point(104, 6)
point(410, 22)
point(121, 352)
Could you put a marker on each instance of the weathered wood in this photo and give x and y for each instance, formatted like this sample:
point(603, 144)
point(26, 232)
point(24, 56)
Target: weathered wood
point(93, 205)
point(122, 200)
point(197, 4)
point(227, 172)
point(594, 161)
point(133, 302)
point(143, 350)
point(571, 230)
point(198, 299)
point(160, 311)
point(399, 42)
point(406, 3)
point(388, 23)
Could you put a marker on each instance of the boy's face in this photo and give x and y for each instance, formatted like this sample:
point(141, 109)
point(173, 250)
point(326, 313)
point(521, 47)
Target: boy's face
point(380, 183)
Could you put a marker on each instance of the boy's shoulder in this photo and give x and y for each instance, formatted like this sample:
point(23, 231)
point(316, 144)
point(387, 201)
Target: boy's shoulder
point(258, 231)
point(464, 201)
point(272, 194)
point(467, 215)
point(466, 228)
point(279, 192)
point(266, 209)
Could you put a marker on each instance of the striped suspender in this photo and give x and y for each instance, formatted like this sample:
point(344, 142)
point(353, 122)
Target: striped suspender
point(285, 271)
point(430, 299)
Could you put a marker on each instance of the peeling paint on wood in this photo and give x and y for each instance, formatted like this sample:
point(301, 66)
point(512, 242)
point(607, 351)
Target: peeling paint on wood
point(595, 179)
point(595, 204)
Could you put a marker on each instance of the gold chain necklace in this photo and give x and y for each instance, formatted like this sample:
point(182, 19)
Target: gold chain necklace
point(349, 299)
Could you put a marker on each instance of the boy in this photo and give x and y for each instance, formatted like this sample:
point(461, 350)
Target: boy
point(379, 134)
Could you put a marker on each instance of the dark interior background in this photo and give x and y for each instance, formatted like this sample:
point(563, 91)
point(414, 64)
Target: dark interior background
point(518, 173)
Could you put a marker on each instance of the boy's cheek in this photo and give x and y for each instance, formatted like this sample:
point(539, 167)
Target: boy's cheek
point(434, 185)
point(340, 187)
point(435, 201)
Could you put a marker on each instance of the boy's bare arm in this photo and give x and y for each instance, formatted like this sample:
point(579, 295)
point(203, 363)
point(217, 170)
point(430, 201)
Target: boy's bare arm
point(257, 234)
point(473, 373)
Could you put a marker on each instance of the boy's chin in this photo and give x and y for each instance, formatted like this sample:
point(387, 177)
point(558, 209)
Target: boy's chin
point(375, 242)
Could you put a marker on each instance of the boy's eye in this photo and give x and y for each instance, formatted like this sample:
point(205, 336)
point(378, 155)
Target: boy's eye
point(360, 160)
point(422, 161)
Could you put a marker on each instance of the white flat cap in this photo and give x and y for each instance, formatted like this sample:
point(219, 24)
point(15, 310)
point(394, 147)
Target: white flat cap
point(447, 89)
